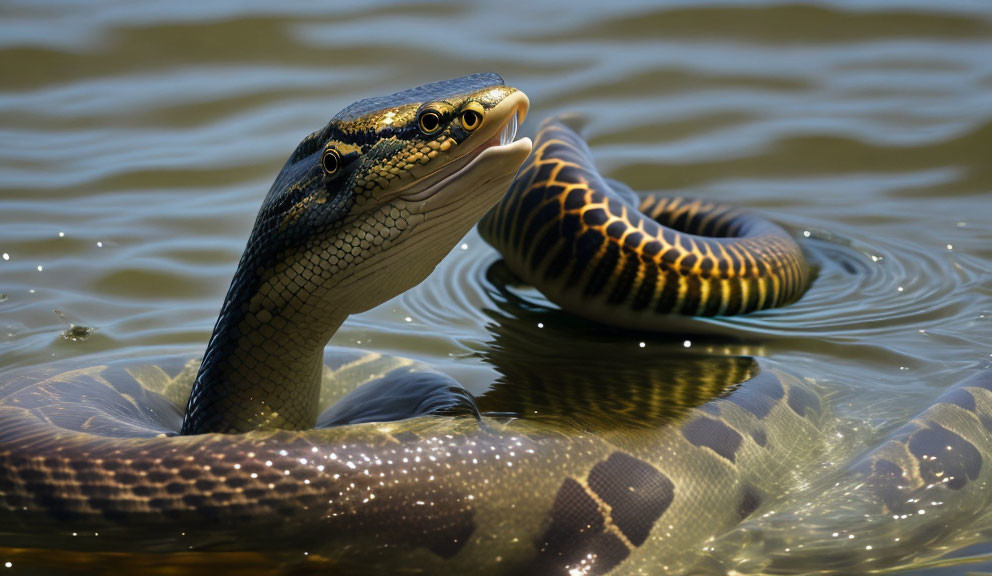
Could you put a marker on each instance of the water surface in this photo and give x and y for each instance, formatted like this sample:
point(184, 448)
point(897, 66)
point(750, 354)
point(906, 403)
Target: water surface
point(137, 140)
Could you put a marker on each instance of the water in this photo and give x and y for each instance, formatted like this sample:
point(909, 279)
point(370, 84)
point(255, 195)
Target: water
point(137, 140)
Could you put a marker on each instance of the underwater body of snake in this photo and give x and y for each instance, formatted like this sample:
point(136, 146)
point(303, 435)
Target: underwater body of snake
point(91, 459)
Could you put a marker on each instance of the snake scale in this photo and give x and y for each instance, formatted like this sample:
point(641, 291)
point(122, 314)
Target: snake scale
point(215, 465)
point(612, 256)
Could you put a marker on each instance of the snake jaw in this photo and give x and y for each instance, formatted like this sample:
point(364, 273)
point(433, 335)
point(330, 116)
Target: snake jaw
point(487, 175)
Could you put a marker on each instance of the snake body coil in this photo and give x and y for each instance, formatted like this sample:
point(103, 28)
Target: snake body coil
point(599, 251)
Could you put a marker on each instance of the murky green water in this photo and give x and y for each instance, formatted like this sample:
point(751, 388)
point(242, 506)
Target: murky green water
point(137, 140)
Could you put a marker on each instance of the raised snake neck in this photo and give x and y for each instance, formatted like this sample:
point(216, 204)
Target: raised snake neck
point(600, 251)
point(86, 462)
point(329, 243)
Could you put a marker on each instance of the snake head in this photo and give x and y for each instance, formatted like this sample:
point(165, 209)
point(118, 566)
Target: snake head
point(369, 204)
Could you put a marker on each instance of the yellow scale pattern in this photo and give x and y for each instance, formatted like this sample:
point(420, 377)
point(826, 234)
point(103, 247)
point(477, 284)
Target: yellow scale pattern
point(611, 256)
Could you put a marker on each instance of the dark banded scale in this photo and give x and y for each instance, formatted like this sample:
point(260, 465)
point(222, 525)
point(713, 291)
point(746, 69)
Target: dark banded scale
point(599, 251)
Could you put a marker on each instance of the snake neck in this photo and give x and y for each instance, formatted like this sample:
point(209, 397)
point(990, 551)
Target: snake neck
point(262, 367)
point(363, 210)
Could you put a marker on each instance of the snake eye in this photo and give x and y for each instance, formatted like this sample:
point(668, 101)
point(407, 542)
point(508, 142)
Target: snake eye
point(472, 116)
point(331, 161)
point(429, 121)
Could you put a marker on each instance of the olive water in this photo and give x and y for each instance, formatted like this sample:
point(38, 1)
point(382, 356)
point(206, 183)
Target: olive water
point(138, 140)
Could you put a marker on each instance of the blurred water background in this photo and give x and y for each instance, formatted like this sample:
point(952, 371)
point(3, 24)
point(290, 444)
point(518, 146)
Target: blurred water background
point(137, 140)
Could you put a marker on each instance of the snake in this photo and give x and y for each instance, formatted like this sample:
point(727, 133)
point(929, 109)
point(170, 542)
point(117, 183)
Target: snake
point(275, 454)
point(601, 251)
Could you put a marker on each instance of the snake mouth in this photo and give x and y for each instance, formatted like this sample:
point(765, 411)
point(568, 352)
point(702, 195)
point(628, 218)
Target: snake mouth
point(497, 144)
